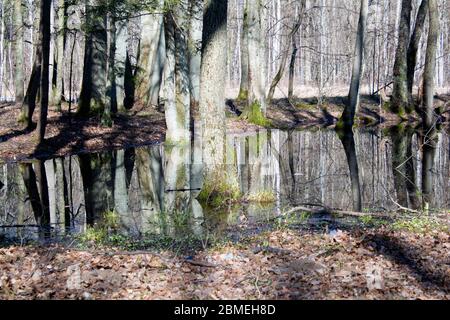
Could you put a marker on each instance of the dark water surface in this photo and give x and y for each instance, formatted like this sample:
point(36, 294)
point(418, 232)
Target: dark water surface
point(154, 190)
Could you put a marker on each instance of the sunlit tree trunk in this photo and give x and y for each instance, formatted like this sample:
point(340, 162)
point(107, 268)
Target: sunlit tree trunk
point(244, 83)
point(151, 58)
point(414, 45)
point(430, 65)
point(399, 101)
point(256, 50)
point(351, 107)
point(177, 108)
point(194, 46)
point(60, 36)
point(18, 51)
point(212, 81)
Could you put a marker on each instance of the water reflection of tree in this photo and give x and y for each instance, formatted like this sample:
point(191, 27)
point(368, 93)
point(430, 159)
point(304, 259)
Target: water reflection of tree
point(403, 166)
point(348, 142)
point(429, 141)
point(35, 180)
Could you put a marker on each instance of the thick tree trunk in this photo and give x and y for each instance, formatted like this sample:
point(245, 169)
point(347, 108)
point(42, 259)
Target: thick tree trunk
point(151, 58)
point(212, 84)
point(256, 50)
point(399, 101)
point(351, 107)
point(45, 42)
point(176, 82)
point(93, 88)
point(18, 51)
point(414, 45)
point(430, 65)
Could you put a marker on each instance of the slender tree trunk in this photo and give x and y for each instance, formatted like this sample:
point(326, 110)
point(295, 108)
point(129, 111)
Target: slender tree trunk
point(430, 65)
point(18, 51)
point(195, 58)
point(60, 36)
point(45, 41)
point(29, 102)
point(289, 39)
point(348, 141)
point(292, 69)
point(120, 58)
point(399, 101)
point(110, 98)
point(244, 83)
point(351, 108)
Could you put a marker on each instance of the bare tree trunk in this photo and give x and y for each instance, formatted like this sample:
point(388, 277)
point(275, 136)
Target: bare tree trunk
point(212, 81)
point(244, 83)
point(195, 39)
point(292, 69)
point(256, 63)
point(399, 101)
point(430, 65)
point(60, 36)
point(18, 51)
point(92, 96)
point(289, 39)
point(414, 45)
point(29, 102)
point(45, 42)
point(151, 58)
point(351, 107)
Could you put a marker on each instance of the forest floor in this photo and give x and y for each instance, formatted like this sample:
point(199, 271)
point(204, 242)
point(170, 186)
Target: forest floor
point(145, 126)
point(280, 263)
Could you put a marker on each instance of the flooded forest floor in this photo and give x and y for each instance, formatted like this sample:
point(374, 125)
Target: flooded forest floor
point(281, 263)
point(145, 126)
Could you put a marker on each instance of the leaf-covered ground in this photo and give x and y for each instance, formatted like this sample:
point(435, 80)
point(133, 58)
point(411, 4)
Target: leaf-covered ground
point(279, 264)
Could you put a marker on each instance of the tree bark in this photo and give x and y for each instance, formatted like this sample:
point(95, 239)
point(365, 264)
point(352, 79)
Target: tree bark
point(430, 65)
point(399, 101)
point(212, 83)
point(60, 36)
point(18, 51)
point(151, 58)
point(414, 45)
point(244, 83)
point(195, 58)
point(351, 107)
point(45, 41)
point(93, 88)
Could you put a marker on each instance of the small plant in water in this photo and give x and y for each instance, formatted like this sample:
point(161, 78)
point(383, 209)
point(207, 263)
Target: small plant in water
point(265, 196)
point(221, 188)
